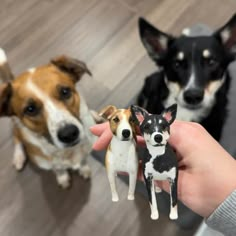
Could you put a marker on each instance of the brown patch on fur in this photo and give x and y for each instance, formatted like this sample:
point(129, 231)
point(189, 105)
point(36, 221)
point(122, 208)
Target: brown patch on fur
point(106, 158)
point(115, 120)
point(16, 134)
point(115, 115)
point(107, 112)
point(5, 95)
point(29, 148)
point(132, 123)
point(5, 72)
point(33, 151)
point(15, 96)
point(47, 79)
point(71, 66)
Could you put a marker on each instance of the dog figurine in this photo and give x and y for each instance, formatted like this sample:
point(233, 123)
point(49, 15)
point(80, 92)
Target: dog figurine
point(121, 155)
point(51, 119)
point(159, 162)
point(192, 72)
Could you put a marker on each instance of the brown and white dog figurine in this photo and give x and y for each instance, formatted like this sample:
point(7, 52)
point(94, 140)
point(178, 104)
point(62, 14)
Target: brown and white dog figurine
point(51, 119)
point(121, 154)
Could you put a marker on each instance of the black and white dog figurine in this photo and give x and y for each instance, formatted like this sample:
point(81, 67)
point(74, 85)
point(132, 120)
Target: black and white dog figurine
point(159, 161)
point(192, 73)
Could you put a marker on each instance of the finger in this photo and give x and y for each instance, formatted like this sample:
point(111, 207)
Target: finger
point(99, 129)
point(182, 138)
point(140, 141)
point(103, 141)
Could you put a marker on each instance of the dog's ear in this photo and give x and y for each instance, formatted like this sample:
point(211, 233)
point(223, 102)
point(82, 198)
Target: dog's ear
point(107, 112)
point(5, 95)
point(138, 114)
point(155, 41)
point(5, 70)
point(71, 66)
point(227, 34)
point(169, 114)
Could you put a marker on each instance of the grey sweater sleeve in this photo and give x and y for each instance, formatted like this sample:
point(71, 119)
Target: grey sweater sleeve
point(223, 219)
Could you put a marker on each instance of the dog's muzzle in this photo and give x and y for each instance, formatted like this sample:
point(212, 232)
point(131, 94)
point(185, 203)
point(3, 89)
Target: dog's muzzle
point(126, 134)
point(69, 135)
point(193, 97)
point(157, 139)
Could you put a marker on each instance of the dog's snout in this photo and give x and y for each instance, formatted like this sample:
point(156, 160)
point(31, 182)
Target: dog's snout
point(193, 96)
point(158, 138)
point(68, 134)
point(126, 133)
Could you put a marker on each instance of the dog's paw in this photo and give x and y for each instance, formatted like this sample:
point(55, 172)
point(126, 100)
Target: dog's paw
point(174, 213)
point(130, 197)
point(115, 198)
point(76, 167)
point(63, 180)
point(18, 158)
point(85, 172)
point(155, 215)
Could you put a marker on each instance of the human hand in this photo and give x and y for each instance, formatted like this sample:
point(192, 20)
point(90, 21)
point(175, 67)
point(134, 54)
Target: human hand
point(206, 171)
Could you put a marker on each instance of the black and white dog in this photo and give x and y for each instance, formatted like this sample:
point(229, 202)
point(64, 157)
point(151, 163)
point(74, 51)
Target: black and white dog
point(159, 161)
point(192, 73)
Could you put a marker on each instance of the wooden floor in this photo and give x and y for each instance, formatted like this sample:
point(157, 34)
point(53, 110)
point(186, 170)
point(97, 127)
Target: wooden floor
point(104, 34)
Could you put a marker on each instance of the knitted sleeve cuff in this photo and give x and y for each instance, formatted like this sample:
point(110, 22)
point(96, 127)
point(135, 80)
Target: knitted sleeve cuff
point(223, 219)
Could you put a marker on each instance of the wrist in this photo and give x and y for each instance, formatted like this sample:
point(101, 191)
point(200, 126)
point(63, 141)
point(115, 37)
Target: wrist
point(226, 185)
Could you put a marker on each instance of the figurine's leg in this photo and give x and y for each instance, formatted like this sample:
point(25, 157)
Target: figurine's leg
point(19, 156)
point(173, 199)
point(112, 181)
point(132, 184)
point(152, 198)
point(63, 178)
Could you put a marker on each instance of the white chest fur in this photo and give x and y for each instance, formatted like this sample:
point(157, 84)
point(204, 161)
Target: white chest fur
point(122, 155)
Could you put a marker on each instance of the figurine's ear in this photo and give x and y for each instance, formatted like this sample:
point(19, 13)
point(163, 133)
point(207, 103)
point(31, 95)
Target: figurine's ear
point(227, 33)
point(5, 96)
point(138, 114)
point(107, 112)
point(71, 66)
point(170, 113)
point(155, 41)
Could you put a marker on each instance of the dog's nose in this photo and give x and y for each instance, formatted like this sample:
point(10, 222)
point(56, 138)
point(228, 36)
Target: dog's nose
point(126, 133)
point(158, 138)
point(68, 134)
point(193, 96)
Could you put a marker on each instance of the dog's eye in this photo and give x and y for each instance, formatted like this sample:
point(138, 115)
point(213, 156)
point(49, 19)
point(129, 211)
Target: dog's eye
point(65, 93)
point(116, 119)
point(179, 64)
point(211, 62)
point(146, 126)
point(131, 120)
point(31, 110)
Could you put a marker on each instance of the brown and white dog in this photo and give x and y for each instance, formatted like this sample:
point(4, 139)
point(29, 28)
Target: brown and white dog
point(51, 119)
point(121, 154)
